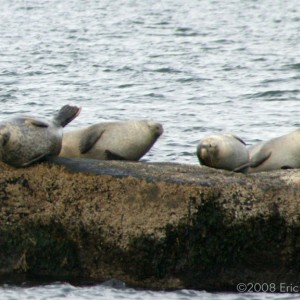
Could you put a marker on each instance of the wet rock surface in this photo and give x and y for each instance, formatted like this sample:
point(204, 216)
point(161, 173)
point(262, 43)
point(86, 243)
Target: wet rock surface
point(151, 225)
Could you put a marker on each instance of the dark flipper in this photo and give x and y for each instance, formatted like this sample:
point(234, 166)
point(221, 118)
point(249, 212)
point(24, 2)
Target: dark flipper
point(286, 168)
point(91, 136)
point(236, 137)
point(113, 156)
point(39, 123)
point(66, 114)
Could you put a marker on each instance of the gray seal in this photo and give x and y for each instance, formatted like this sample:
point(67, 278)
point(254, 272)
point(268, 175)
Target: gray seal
point(282, 152)
point(124, 140)
point(25, 140)
point(223, 151)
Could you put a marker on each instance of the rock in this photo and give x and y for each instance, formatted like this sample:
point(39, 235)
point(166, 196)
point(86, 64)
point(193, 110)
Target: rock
point(150, 225)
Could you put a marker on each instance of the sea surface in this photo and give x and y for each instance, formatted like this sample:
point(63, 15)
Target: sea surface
point(66, 291)
point(198, 67)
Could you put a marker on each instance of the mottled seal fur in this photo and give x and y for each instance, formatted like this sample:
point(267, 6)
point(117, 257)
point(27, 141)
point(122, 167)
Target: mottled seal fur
point(223, 151)
point(282, 152)
point(125, 140)
point(27, 139)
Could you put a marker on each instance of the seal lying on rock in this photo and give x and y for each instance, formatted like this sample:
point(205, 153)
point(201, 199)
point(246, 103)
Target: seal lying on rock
point(26, 139)
point(223, 151)
point(278, 153)
point(127, 140)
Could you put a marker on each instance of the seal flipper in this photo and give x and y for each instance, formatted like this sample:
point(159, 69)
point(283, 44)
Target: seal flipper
point(260, 157)
point(36, 159)
point(236, 137)
point(243, 168)
point(239, 139)
point(113, 156)
point(66, 114)
point(90, 138)
point(286, 168)
point(38, 123)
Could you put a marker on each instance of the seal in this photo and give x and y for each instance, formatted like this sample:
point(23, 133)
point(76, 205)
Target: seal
point(25, 140)
point(277, 153)
point(223, 151)
point(124, 140)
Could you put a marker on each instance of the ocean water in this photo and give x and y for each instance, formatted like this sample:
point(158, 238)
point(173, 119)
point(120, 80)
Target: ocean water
point(66, 291)
point(198, 67)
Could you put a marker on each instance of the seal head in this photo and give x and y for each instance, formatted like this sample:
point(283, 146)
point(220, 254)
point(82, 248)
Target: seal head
point(25, 140)
point(223, 151)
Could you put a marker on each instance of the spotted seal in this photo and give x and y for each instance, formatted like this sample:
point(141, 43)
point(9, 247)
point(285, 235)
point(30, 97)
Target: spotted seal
point(124, 140)
point(223, 151)
point(25, 140)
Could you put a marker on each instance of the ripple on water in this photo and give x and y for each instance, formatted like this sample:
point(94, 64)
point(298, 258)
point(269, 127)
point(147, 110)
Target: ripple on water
point(105, 292)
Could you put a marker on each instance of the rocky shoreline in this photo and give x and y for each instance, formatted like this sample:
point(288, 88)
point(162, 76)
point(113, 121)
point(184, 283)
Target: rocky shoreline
point(151, 225)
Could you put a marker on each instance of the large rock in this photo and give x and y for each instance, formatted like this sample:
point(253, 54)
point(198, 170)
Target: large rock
point(151, 225)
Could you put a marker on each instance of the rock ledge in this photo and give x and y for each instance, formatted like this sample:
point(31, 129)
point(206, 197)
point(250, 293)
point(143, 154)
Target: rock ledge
point(151, 225)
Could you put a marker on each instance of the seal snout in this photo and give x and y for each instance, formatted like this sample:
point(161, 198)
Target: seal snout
point(155, 128)
point(203, 151)
point(159, 130)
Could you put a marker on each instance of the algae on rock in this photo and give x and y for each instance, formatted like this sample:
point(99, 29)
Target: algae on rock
point(150, 225)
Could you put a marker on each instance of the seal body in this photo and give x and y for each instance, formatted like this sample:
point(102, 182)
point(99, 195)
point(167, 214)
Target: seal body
point(127, 140)
point(26, 139)
point(223, 151)
point(278, 153)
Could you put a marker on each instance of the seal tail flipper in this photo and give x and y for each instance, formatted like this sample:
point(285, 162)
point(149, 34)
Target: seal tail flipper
point(66, 114)
point(113, 156)
point(91, 136)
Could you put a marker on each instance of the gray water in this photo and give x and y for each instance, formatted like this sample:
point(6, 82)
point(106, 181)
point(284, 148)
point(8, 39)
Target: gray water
point(65, 291)
point(196, 66)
